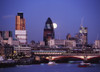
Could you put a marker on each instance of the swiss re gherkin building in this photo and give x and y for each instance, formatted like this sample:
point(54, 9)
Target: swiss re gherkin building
point(48, 31)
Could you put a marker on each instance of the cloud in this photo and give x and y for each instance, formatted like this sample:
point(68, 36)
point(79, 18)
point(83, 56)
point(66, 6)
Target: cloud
point(8, 16)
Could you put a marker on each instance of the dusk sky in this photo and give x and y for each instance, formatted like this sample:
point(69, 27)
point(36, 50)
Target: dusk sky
point(66, 13)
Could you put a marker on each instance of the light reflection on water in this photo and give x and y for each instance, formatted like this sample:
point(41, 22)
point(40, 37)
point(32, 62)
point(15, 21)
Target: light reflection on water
point(52, 68)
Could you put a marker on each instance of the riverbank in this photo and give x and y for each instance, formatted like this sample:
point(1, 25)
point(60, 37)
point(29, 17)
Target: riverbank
point(32, 61)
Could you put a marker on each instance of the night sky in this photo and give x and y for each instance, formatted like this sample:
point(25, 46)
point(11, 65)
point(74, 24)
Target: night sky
point(66, 13)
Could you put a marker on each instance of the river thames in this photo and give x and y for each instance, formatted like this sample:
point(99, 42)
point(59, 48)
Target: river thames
point(52, 68)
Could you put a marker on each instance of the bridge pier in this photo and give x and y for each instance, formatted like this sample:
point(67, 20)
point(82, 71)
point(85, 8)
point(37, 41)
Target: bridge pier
point(85, 58)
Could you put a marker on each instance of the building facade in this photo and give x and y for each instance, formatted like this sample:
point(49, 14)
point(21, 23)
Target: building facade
point(97, 43)
point(56, 43)
point(5, 34)
point(70, 43)
point(2, 52)
point(6, 51)
point(83, 35)
point(48, 31)
point(23, 49)
point(6, 38)
point(20, 32)
point(42, 43)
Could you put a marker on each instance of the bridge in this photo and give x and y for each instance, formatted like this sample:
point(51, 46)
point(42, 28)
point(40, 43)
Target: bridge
point(60, 54)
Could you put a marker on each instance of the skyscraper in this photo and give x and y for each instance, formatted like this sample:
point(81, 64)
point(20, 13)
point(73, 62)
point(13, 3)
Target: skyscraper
point(48, 31)
point(83, 35)
point(20, 22)
point(20, 31)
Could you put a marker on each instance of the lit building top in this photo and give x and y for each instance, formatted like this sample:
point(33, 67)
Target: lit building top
point(20, 22)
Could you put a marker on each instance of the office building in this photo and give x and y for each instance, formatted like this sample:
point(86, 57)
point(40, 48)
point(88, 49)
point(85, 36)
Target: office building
point(48, 31)
point(59, 43)
point(70, 43)
point(97, 43)
point(83, 35)
point(6, 51)
point(20, 32)
point(23, 49)
point(5, 34)
point(56, 43)
point(6, 38)
point(42, 43)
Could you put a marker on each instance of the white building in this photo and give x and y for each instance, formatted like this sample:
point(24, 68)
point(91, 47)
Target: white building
point(56, 43)
point(42, 43)
point(97, 43)
point(21, 35)
point(61, 43)
point(70, 43)
point(24, 49)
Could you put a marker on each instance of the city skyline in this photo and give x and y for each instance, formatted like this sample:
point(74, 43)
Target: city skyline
point(67, 14)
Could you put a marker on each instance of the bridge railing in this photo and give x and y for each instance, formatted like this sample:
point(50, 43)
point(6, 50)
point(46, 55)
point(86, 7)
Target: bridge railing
point(64, 53)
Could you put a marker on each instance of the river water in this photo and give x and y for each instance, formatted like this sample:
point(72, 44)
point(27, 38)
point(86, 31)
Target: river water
point(52, 68)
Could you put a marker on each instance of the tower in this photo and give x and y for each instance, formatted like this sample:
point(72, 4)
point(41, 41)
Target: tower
point(20, 22)
point(68, 37)
point(20, 31)
point(83, 35)
point(48, 31)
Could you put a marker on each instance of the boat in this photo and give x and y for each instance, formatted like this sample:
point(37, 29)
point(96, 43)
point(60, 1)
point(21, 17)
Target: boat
point(51, 63)
point(84, 64)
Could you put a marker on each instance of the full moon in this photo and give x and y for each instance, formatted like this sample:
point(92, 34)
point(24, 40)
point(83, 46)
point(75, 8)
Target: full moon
point(54, 25)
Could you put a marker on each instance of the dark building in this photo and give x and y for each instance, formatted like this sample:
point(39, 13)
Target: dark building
point(48, 31)
point(68, 37)
point(2, 52)
point(6, 51)
point(21, 15)
point(77, 37)
point(5, 34)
